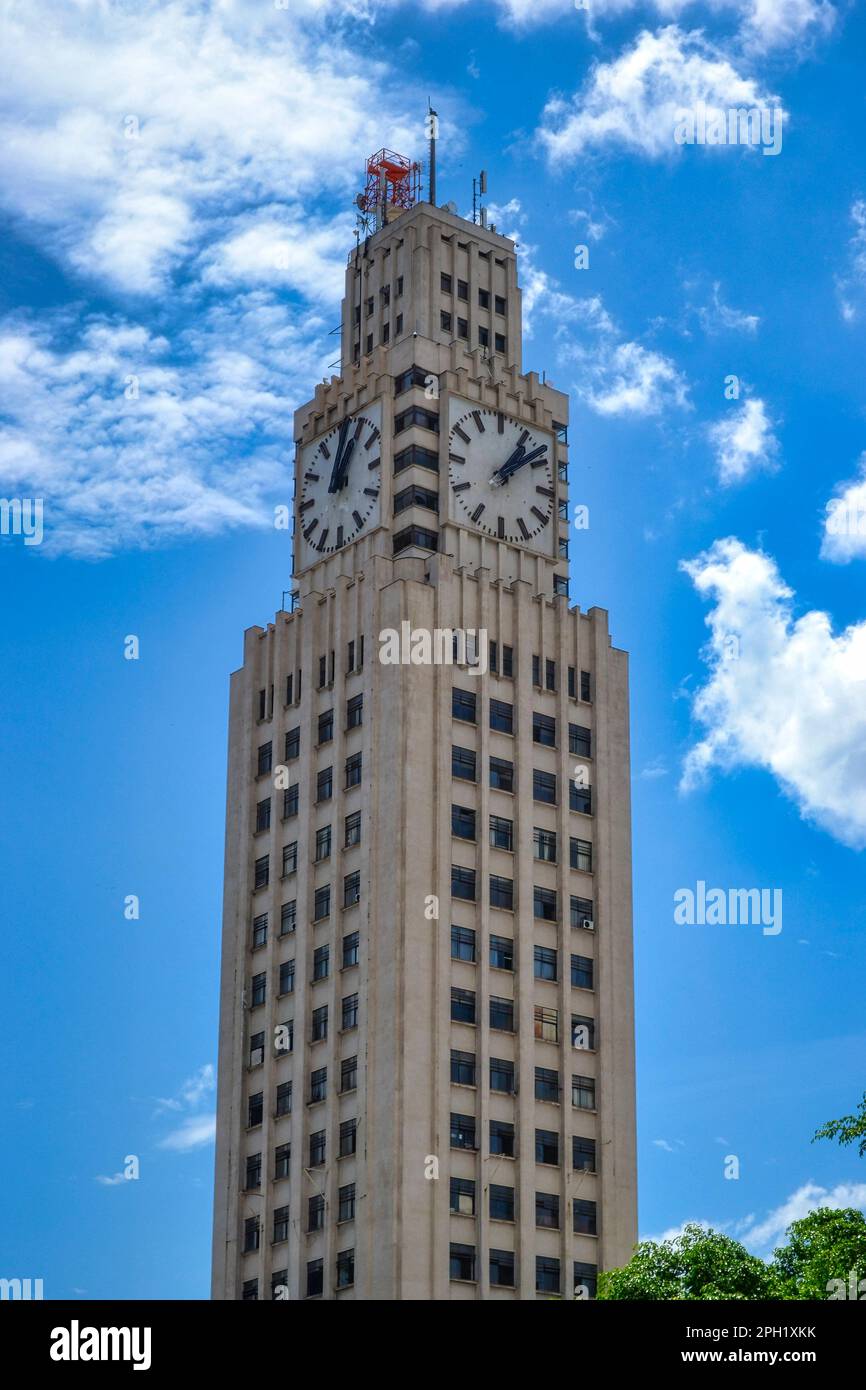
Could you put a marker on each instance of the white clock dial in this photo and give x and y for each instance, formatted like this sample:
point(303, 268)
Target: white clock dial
point(501, 475)
point(339, 482)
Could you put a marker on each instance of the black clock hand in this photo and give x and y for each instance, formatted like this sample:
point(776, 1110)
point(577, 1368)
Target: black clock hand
point(344, 471)
point(500, 474)
point(336, 472)
point(514, 463)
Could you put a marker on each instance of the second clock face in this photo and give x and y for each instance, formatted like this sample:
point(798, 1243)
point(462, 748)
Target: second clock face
point(339, 481)
point(501, 475)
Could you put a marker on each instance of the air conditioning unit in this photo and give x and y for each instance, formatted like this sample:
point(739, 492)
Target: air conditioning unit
point(588, 924)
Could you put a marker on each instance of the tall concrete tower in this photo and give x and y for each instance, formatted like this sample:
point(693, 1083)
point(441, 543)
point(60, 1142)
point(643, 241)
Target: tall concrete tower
point(426, 1060)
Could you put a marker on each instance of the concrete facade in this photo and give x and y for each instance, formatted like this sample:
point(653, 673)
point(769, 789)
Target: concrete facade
point(385, 1180)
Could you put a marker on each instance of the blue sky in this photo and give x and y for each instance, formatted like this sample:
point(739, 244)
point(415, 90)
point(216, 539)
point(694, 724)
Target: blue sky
point(177, 205)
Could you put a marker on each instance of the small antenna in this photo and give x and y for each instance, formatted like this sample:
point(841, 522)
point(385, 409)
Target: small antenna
point(479, 186)
point(432, 124)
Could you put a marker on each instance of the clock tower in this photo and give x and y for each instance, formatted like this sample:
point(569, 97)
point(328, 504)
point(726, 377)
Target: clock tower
point(426, 1070)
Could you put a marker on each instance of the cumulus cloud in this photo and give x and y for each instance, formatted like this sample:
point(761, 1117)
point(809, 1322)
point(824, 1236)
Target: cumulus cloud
point(635, 101)
point(783, 693)
point(193, 1133)
point(844, 535)
point(744, 441)
point(770, 1231)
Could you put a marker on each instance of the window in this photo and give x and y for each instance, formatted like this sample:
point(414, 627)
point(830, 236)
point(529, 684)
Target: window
point(416, 456)
point(262, 871)
point(348, 1138)
point(254, 1172)
point(463, 944)
point(321, 963)
point(368, 308)
point(255, 1109)
point(547, 1279)
point(416, 415)
point(582, 913)
point(415, 496)
point(585, 1277)
point(585, 686)
point(290, 859)
point(546, 1146)
point(283, 1101)
point(463, 705)
point(572, 674)
point(462, 1131)
point(584, 1217)
point(462, 883)
point(386, 331)
point(462, 1068)
point(499, 304)
point(462, 1196)
point(547, 1210)
point(348, 1075)
point(462, 289)
point(399, 285)
point(583, 1092)
point(351, 949)
point(544, 904)
point(463, 822)
point(544, 962)
point(546, 1023)
point(544, 730)
point(326, 726)
point(316, 1212)
point(544, 845)
point(502, 1269)
point(260, 930)
point(414, 376)
point(550, 675)
point(502, 892)
point(282, 1160)
point(502, 716)
point(257, 1049)
point(582, 972)
point(323, 843)
point(354, 712)
point(322, 903)
point(583, 1154)
point(346, 1202)
point(445, 283)
point(251, 1234)
point(317, 1149)
point(462, 1005)
point(398, 325)
point(546, 1084)
point(265, 758)
point(560, 581)
point(502, 774)
point(462, 1262)
point(502, 953)
point(583, 1032)
point(507, 661)
point(279, 1284)
point(501, 1014)
point(319, 1019)
point(463, 328)
point(353, 770)
point(444, 321)
point(323, 671)
point(288, 917)
point(544, 787)
point(325, 784)
point(463, 763)
point(580, 799)
point(319, 1081)
point(483, 337)
point(259, 989)
point(293, 744)
point(281, 1224)
point(290, 802)
point(250, 1290)
point(502, 1139)
point(501, 833)
point(352, 889)
point(501, 1203)
point(350, 1012)
point(353, 829)
point(315, 1268)
point(287, 977)
point(484, 299)
point(580, 740)
point(536, 671)
point(345, 1269)
point(499, 342)
point(502, 1075)
point(263, 815)
point(580, 855)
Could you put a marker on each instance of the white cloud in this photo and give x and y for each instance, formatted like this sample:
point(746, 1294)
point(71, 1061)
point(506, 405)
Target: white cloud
point(787, 695)
point(193, 1090)
point(116, 1180)
point(629, 379)
point(844, 537)
point(761, 1235)
point(851, 284)
point(283, 248)
point(718, 316)
point(635, 100)
point(744, 441)
point(193, 1133)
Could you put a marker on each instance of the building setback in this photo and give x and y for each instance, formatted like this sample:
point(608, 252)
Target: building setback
point(426, 1058)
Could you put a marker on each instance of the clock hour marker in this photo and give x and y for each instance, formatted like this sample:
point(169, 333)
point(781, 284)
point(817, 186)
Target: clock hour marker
point(359, 429)
point(523, 438)
point(545, 491)
point(374, 492)
point(359, 520)
point(305, 506)
point(457, 458)
point(523, 531)
point(339, 536)
point(311, 528)
point(311, 477)
point(541, 517)
point(476, 416)
point(461, 487)
point(476, 515)
point(461, 434)
point(500, 421)
point(374, 463)
point(540, 463)
point(324, 536)
point(500, 527)
point(324, 450)
point(371, 441)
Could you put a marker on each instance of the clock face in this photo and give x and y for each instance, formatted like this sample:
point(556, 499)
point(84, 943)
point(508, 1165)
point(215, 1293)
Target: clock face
point(339, 482)
point(501, 475)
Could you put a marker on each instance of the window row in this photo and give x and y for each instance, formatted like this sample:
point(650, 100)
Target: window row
point(503, 1208)
point(548, 1278)
point(503, 1139)
point(464, 767)
point(315, 1285)
point(545, 901)
point(501, 830)
point(501, 1018)
point(351, 882)
point(464, 706)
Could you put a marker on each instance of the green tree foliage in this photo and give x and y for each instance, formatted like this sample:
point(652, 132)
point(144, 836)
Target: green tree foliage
point(826, 1245)
point(846, 1130)
point(696, 1264)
